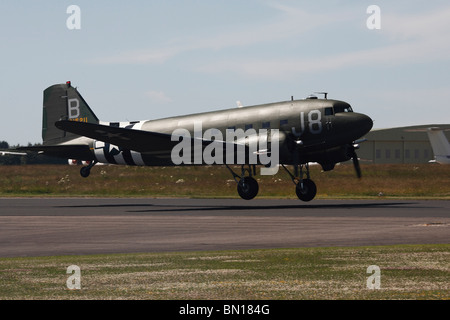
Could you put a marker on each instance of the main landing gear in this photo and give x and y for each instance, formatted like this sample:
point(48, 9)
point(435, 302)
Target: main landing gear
point(304, 188)
point(247, 186)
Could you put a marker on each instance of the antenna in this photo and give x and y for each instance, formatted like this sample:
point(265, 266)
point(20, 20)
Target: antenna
point(325, 94)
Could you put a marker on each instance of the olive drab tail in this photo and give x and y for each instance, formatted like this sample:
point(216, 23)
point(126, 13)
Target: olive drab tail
point(63, 102)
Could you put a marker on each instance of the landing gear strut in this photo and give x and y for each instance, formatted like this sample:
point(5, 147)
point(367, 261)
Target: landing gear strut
point(304, 188)
point(247, 186)
point(86, 171)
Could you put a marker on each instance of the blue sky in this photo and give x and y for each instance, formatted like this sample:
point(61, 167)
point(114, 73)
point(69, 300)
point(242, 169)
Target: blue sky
point(139, 60)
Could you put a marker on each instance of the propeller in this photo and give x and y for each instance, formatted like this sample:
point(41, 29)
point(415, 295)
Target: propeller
point(355, 160)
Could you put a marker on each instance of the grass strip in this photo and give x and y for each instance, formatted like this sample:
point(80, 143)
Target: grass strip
point(406, 272)
point(426, 181)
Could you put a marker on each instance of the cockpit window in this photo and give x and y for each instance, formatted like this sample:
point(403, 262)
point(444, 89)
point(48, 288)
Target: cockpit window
point(342, 108)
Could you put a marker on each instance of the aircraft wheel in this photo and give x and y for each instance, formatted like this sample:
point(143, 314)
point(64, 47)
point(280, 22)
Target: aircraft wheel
point(247, 188)
point(308, 192)
point(85, 172)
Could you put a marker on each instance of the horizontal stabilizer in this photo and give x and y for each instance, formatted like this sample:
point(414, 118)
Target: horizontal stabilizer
point(11, 153)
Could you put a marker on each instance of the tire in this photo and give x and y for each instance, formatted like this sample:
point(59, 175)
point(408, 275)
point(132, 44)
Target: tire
point(308, 192)
point(85, 172)
point(247, 188)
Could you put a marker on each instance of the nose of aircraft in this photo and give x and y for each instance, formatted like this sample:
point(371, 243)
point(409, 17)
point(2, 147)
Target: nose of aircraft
point(347, 127)
point(356, 125)
point(364, 122)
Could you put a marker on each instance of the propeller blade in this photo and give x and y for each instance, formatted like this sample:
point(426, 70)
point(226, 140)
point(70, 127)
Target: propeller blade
point(356, 164)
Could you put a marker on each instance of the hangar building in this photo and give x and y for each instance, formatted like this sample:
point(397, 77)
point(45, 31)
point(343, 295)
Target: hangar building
point(399, 145)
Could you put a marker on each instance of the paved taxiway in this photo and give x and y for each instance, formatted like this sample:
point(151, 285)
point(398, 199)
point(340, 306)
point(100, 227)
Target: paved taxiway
point(37, 227)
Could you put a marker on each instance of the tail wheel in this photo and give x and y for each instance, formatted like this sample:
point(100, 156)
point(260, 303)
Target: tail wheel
point(307, 190)
point(247, 188)
point(85, 172)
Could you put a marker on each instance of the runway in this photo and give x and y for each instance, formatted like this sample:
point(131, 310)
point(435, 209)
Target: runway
point(77, 226)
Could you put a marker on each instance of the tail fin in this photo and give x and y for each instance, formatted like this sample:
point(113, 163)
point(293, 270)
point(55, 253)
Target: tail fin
point(63, 102)
point(440, 144)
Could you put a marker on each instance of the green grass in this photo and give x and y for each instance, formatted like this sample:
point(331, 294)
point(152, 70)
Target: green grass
point(426, 181)
point(407, 272)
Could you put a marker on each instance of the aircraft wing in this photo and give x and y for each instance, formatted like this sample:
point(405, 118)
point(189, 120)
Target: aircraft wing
point(136, 140)
point(81, 152)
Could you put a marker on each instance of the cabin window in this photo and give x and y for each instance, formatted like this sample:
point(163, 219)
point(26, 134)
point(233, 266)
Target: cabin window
point(283, 122)
point(329, 111)
point(266, 125)
point(248, 126)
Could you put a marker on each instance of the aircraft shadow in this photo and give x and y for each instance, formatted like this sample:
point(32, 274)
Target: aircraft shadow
point(173, 208)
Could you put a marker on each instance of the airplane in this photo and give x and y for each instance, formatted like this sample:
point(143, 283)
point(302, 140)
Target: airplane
point(440, 145)
point(292, 132)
